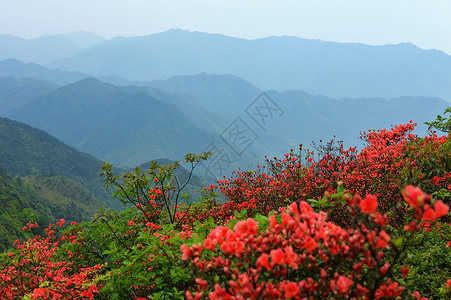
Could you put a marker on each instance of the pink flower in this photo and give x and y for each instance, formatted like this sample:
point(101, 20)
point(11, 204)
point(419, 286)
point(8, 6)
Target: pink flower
point(203, 283)
point(441, 209)
point(39, 292)
point(87, 294)
point(93, 288)
point(413, 196)
point(187, 252)
point(383, 239)
point(210, 244)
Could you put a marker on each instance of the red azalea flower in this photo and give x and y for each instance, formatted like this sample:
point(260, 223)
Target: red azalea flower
point(277, 256)
point(290, 257)
point(291, 289)
point(369, 204)
point(263, 261)
point(344, 283)
point(441, 209)
point(310, 243)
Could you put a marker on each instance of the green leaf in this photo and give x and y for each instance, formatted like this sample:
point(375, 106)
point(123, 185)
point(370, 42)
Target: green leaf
point(397, 242)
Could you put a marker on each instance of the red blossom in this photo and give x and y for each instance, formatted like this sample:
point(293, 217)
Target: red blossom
point(310, 243)
point(344, 283)
point(263, 261)
point(277, 256)
point(369, 204)
point(291, 289)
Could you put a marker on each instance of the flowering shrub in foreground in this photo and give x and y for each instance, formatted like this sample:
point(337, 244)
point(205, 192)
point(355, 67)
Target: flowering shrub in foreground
point(32, 272)
point(357, 249)
point(301, 255)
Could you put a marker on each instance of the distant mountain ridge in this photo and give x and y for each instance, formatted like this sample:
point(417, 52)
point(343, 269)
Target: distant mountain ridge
point(118, 124)
point(46, 48)
point(223, 93)
point(322, 117)
point(281, 63)
point(20, 70)
point(16, 92)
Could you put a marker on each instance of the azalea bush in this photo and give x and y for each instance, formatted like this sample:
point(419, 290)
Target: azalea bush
point(33, 272)
point(323, 223)
point(302, 255)
point(391, 160)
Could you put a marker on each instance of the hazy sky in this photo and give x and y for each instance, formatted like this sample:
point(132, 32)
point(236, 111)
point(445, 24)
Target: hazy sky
point(426, 23)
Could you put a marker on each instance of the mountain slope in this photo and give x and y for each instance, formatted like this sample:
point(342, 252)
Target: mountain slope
point(117, 124)
point(21, 202)
point(212, 120)
point(225, 93)
point(25, 151)
point(318, 67)
point(83, 38)
point(18, 204)
point(309, 118)
point(16, 92)
point(40, 50)
point(18, 69)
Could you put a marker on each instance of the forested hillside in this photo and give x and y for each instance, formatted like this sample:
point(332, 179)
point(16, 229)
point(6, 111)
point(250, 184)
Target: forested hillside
point(113, 123)
point(16, 92)
point(25, 151)
point(20, 204)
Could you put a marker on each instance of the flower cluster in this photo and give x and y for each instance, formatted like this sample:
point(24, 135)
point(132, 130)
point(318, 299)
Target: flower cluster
point(302, 255)
point(34, 270)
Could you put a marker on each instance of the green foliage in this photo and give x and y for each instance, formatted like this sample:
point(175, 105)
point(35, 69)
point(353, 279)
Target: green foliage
point(73, 202)
point(429, 261)
point(159, 183)
point(25, 151)
point(117, 124)
point(329, 201)
point(19, 205)
point(441, 123)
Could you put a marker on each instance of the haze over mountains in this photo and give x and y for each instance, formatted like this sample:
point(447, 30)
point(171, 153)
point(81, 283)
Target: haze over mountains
point(46, 48)
point(177, 91)
point(318, 67)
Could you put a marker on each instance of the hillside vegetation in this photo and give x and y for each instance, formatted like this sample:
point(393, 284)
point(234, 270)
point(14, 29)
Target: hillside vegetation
point(25, 151)
point(113, 123)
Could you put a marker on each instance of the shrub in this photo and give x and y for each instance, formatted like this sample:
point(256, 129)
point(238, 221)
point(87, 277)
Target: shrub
point(302, 255)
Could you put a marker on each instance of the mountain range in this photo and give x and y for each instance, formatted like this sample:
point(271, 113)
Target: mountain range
point(128, 125)
point(318, 67)
point(120, 125)
point(46, 48)
point(17, 69)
